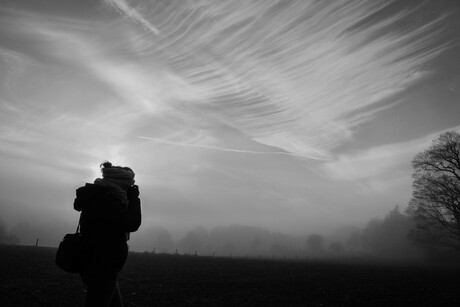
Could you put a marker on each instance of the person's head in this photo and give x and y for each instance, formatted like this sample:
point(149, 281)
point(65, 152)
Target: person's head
point(123, 176)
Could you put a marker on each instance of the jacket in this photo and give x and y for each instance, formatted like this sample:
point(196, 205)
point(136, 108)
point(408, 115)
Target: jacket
point(105, 221)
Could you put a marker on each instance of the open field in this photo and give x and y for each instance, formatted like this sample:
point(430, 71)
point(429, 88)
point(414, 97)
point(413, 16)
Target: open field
point(29, 278)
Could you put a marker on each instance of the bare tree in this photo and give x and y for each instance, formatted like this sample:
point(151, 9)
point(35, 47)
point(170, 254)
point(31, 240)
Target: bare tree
point(435, 201)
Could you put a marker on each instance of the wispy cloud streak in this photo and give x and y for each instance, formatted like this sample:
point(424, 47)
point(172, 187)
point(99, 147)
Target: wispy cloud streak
point(297, 75)
point(217, 148)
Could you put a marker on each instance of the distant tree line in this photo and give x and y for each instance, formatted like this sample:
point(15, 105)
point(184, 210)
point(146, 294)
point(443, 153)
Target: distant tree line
point(236, 240)
point(387, 237)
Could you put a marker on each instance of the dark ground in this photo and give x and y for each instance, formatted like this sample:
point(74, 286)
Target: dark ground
point(29, 277)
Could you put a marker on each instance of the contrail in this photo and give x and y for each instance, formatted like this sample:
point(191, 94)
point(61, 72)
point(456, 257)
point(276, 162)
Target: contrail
point(227, 149)
point(131, 13)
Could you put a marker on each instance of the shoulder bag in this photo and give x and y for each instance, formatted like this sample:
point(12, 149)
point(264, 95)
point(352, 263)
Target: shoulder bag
point(73, 252)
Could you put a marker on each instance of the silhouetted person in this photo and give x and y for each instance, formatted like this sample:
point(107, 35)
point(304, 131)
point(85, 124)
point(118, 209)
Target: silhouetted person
point(110, 210)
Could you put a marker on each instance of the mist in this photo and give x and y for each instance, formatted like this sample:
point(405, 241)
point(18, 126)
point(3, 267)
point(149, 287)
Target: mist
point(384, 239)
point(251, 126)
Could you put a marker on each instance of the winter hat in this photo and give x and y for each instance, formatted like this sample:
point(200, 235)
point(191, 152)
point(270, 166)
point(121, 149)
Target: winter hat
point(124, 176)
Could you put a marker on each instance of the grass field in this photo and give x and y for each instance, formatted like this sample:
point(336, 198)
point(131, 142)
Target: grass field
point(29, 277)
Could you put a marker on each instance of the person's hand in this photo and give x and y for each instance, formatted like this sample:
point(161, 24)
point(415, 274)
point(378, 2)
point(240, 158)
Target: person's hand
point(133, 192)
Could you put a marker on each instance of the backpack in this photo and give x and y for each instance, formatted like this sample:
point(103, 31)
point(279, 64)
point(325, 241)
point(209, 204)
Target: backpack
point(73, 252)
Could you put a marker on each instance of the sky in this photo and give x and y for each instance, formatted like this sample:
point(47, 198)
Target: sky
point(293, 116)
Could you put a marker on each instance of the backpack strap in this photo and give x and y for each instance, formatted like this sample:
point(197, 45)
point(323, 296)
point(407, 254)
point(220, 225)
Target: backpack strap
point(78, 227)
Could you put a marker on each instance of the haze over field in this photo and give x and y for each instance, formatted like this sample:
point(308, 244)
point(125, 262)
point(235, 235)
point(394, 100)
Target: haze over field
point(292, 116)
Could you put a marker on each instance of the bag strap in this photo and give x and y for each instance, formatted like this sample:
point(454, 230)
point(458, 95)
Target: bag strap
point(78, 227)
